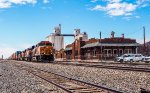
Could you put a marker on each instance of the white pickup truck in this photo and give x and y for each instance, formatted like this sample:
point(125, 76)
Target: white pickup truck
point(130, 58)
point(147, 59)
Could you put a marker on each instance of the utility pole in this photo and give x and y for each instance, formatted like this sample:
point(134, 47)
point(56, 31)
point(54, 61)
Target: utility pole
point(100, 34)
point(144, 39)
point(2, 57)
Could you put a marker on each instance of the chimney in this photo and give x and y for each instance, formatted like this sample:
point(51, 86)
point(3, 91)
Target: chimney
point(112, 34)
point(122, 35)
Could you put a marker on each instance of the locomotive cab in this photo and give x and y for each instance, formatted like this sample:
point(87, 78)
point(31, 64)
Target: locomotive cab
point(43, 51)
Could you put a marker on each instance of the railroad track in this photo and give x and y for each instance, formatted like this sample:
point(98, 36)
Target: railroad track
point(127, 68)
point(112, 63)
point(69, 85)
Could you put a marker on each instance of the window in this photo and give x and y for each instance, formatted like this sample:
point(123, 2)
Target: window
point(126, 51)
point(115, 51)
point(94, 53)
point(120, 51)
point(137, 55)
point(130, 50)
point(109, 51)
point(105, 51)
point(126, 55)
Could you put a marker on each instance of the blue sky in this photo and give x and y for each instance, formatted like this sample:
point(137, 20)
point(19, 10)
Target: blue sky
point(25, 22)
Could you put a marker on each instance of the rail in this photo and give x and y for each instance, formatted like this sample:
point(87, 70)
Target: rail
point(127, 68)
point(67, 84)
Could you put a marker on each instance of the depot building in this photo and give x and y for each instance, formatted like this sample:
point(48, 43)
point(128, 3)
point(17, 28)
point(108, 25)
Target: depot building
point(87, 49)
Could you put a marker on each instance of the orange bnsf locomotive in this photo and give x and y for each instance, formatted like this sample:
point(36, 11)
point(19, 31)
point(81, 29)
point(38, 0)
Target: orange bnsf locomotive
point(43, 51)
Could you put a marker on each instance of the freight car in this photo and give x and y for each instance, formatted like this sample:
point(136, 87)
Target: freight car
point(17, 55)
point(22, 57)
point(40, 52)
point(28, 53)
point(43, 51)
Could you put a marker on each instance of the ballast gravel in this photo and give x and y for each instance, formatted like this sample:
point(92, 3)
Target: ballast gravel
point(124, 81)
point(14, 80)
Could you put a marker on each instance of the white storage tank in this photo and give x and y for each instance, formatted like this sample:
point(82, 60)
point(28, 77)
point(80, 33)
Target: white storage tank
point(56, 39)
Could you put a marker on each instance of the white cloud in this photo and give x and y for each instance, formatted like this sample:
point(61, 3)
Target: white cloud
point(45, 1)
point(120, 8)
point(127, 18)
point(94, 1)
point(143, 3)
point(98, 7)
point(22, 1)
point(114, 1)
point(9, 3)
point(46, 8)
point(106, 1)
point(137, 17)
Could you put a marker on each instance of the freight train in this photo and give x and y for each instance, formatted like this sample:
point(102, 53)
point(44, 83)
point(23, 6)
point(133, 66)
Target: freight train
point(43, 51)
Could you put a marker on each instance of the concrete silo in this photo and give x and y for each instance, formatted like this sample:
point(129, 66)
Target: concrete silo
point(56, 39)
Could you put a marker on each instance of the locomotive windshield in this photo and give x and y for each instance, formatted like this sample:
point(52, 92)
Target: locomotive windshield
point(45, 44)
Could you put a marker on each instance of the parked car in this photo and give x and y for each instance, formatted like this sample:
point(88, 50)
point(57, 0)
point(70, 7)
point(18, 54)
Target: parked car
point(147, 59)
point(130, 58)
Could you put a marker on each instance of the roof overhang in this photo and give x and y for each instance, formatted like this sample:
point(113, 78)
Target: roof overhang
point(68, 49)
point(110, 44)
